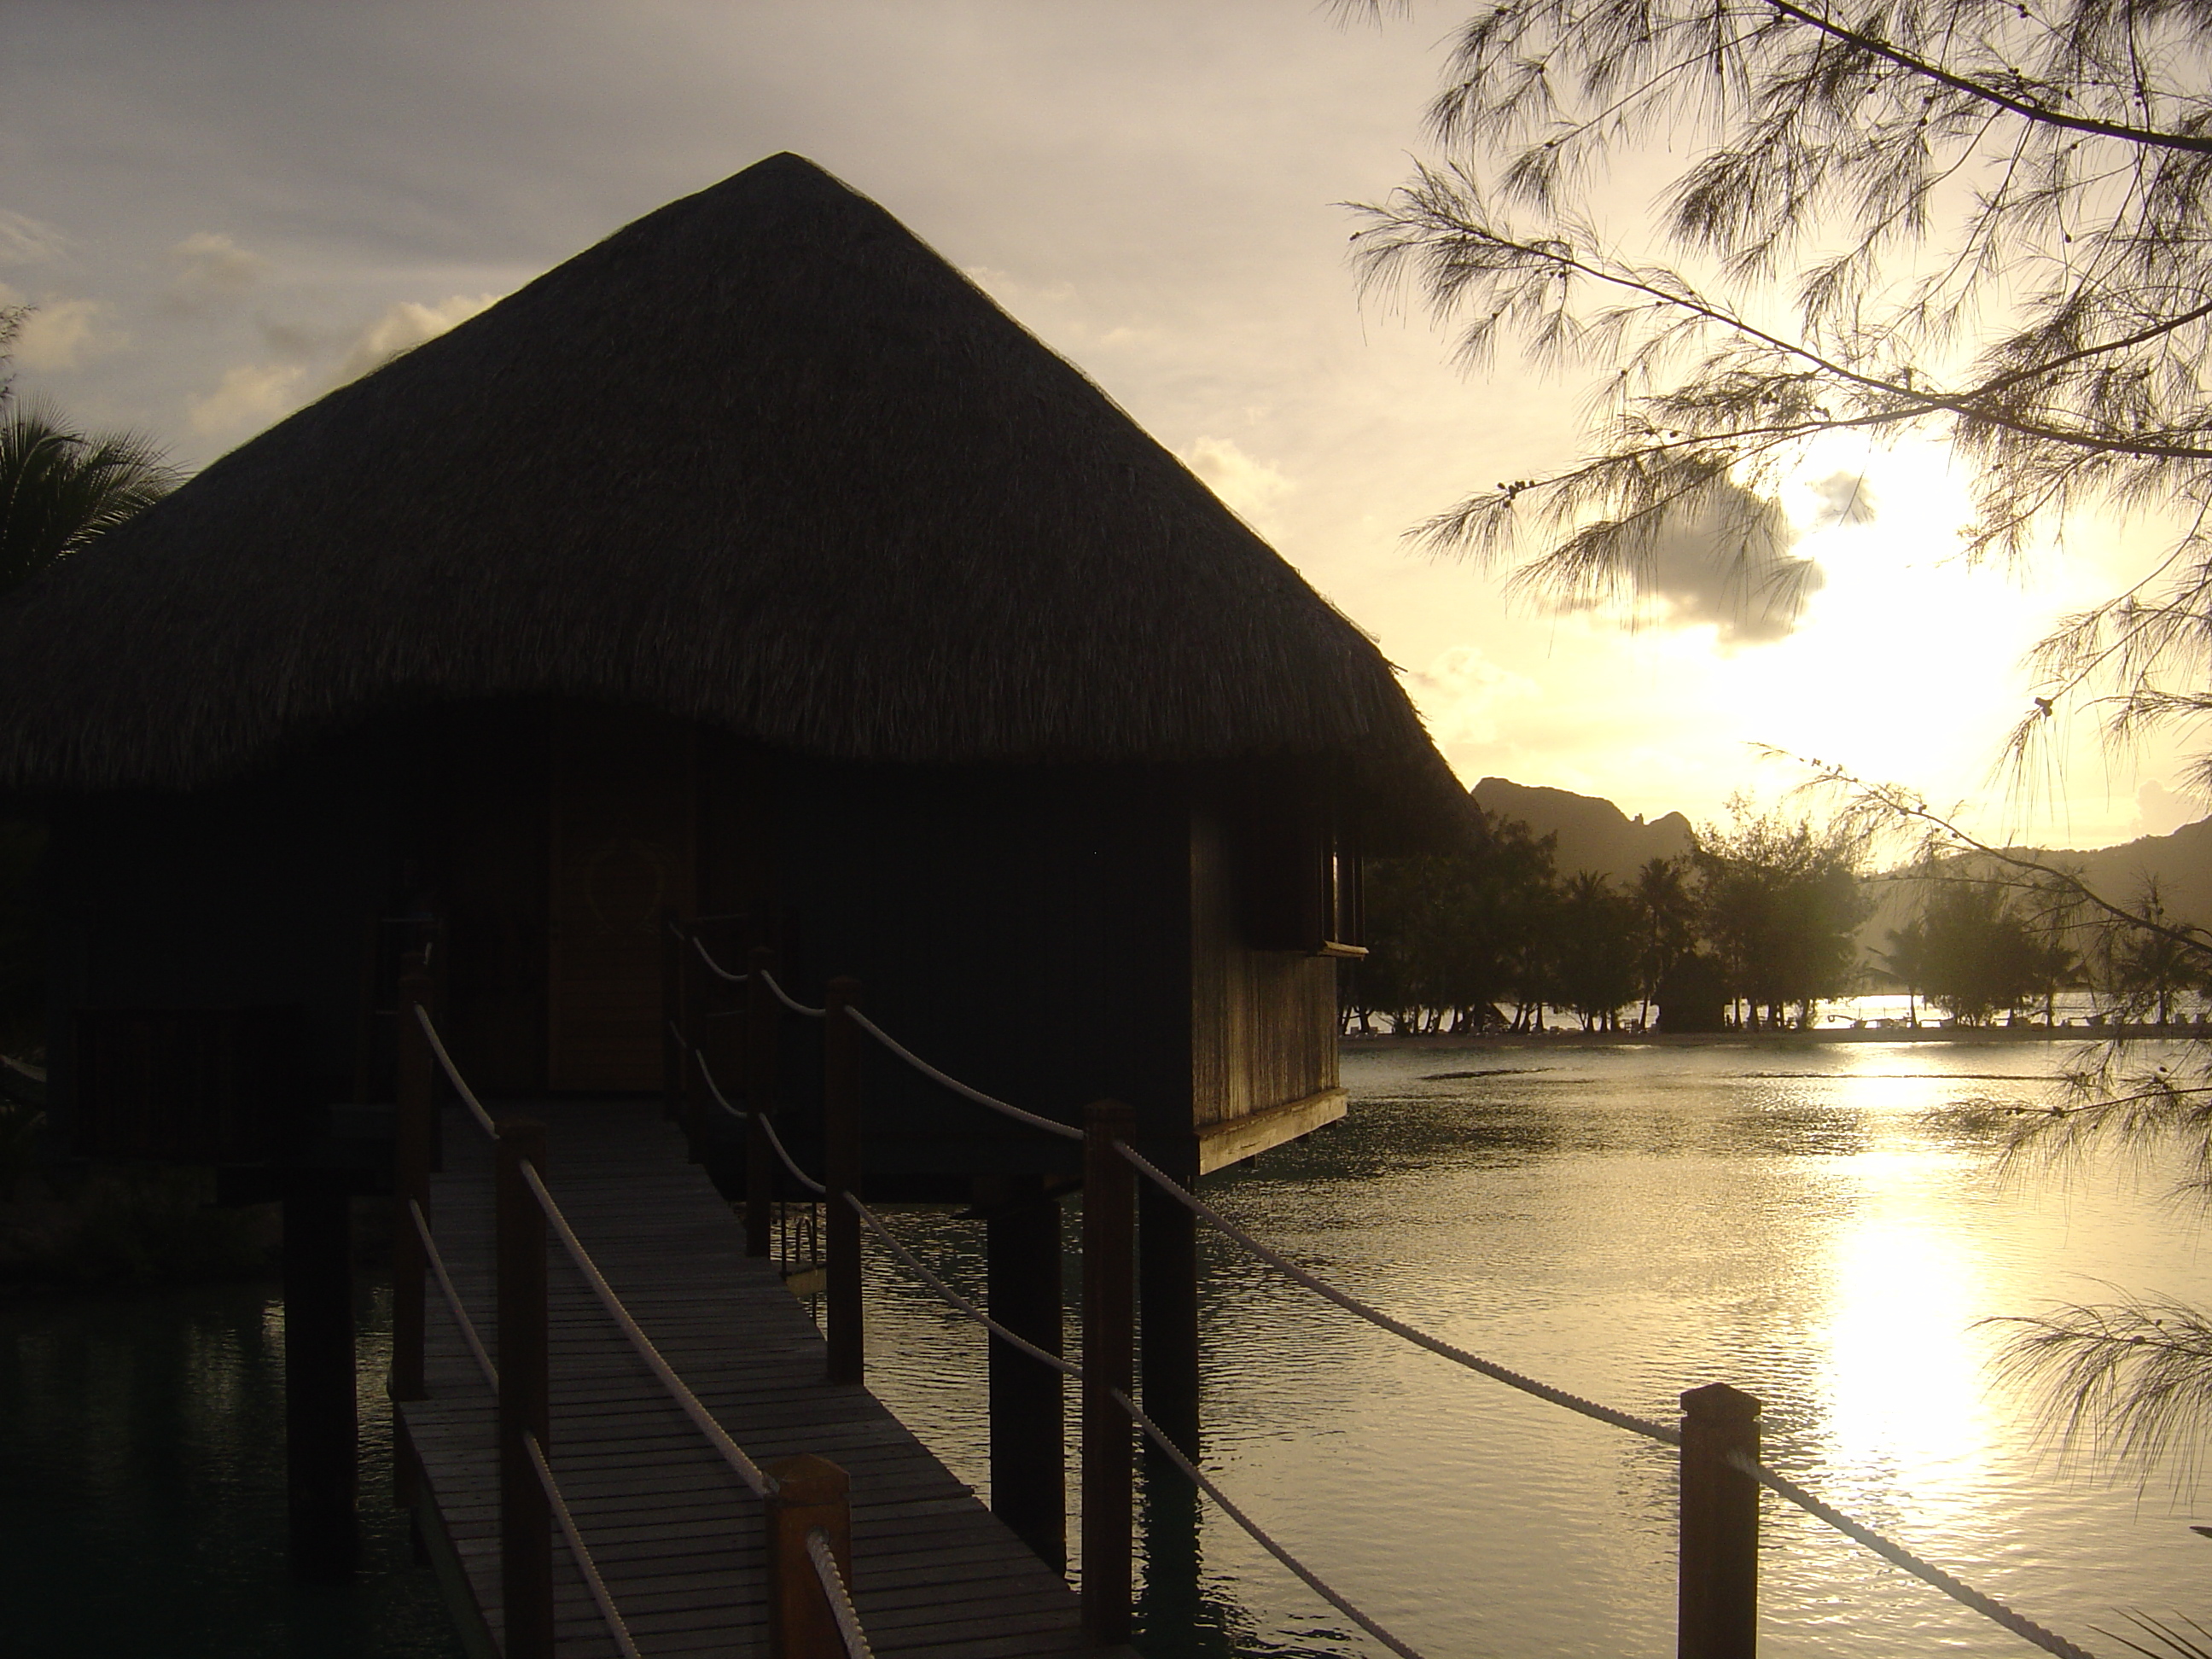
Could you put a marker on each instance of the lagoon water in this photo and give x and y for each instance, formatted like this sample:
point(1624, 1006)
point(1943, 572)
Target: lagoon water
point(1818, 1224)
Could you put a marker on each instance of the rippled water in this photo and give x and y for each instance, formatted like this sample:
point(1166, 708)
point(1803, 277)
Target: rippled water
point(142, 1488)
point(1819, 1225)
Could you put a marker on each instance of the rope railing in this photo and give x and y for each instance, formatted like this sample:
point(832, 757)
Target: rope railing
point(468, 1326)
point(767, 1122)
point(590, 1569)
point(874, 1224)
point(453, 1074)
point(1304, 1574)
point(840, 1599)
point(1965, 1594)
point(733, 1454)
point(1352, 1304)
point(775, 1140)
point(713, 966)
point(1050, 1126)
point(1259, 1535)
point(789, 1000)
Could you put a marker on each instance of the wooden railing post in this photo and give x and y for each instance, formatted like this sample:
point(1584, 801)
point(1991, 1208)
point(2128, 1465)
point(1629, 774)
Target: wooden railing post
point(809, 1491)
point(413, 1132)
point(840, 1135)
point(675, 1059)
point(526, 1518)
point(1109, 1234)
point(1717, 1616)
point(761, 1020)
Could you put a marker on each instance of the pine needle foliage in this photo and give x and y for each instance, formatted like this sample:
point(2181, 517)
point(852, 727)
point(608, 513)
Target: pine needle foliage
point(1983, 221)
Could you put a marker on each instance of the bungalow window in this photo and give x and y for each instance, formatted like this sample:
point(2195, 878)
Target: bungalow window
point(1301, 885)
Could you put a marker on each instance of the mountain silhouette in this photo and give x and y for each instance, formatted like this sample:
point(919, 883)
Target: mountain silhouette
point(1593, 834)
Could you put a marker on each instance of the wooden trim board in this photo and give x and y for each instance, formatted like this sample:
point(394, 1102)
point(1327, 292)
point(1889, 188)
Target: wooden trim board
point(1234, 1140)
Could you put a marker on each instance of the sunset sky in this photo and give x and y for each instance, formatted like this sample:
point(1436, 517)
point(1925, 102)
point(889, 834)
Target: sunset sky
point(223, 209)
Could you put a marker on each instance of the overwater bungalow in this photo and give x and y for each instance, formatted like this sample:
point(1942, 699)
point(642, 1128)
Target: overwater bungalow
point(750, 565)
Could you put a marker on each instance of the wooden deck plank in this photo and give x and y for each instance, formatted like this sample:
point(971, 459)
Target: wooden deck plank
point(676, 1534)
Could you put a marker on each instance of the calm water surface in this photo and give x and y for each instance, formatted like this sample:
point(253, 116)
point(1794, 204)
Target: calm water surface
point(1816, 1225)
point(142, 1488)
point(1819, 1225)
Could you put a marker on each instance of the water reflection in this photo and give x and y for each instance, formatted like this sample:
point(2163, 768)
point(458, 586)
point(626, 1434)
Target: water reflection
point(1816, 1225)
point(141, 1487)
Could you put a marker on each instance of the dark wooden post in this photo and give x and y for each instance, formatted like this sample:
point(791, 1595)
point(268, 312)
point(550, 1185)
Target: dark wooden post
point(1167, 1271)
point(526, 1518)
point(1029, 1489)
point(696, 1108)
point(810, 1493)
point(413, 1136)
point(322, 1430)
point(1718, 1608)
point(840, 1131)
point(675, 1058)
point(762, 1016)
point(1109, 1231)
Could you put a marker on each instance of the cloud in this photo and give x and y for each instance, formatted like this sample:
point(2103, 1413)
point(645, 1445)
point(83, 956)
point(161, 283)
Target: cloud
point(1250, 488)
point(2163, 811)
point(26, 241)
point(64, 333)
point(404, 326)
point(251, 395)
point(1845, 498)
point(211, 271)
point(1461, 694)
point(1726, 563)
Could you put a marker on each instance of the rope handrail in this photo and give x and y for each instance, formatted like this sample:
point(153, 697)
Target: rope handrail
point(1050, 1126)
point(733, 1454)
point(767, 1122)
point(452, 1296)
point(453, 1074)
point(582, 1557)
point(1305, 1575)
point(699, 1058)
point(840, 1599)
point(1965, 1594)
point(875, 1225)
point(1352, 1304)
point(775, 1140)
point(713, 966)
point(788, 1000)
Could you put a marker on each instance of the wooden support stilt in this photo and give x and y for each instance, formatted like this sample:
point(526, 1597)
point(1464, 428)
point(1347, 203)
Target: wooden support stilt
point(1168, 1295)
point(1110, 1238)
point(526, 1517)
point(1718, 1608)
point(811, 1492)
point(675, 1058)
point(413, 1138)
point(841, 1173)
point(321, 1423)
point(762, 1018)
point(1028, 1451)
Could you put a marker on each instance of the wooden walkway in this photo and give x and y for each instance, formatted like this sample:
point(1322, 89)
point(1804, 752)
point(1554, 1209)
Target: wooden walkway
point(677, 1536)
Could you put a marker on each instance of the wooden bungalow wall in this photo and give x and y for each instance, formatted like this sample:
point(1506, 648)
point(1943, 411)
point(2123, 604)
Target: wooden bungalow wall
point(1050, 934)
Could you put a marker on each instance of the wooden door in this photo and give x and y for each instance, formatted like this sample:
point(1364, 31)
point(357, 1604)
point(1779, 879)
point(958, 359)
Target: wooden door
point(625, 812)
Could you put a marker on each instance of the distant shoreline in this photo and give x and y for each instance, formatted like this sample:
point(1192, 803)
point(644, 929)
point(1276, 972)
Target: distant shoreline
point(1987, 1035)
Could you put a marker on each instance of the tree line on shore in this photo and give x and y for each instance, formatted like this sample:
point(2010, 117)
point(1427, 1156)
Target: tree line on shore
point(1749, 930)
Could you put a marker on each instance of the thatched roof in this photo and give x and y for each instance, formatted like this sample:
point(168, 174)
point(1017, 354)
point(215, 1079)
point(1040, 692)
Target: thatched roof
point(762, 459)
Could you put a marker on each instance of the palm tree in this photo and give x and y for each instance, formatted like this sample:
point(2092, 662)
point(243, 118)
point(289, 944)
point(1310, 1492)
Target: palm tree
point(60, 488)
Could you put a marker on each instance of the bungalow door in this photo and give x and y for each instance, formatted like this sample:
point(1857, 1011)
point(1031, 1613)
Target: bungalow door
point(624, 851)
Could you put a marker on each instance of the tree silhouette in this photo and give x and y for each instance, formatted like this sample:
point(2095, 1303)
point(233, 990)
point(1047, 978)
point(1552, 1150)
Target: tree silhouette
point(1981, 222)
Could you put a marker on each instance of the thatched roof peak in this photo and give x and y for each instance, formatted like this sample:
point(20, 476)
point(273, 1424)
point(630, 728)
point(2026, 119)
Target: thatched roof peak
point(760, 459)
